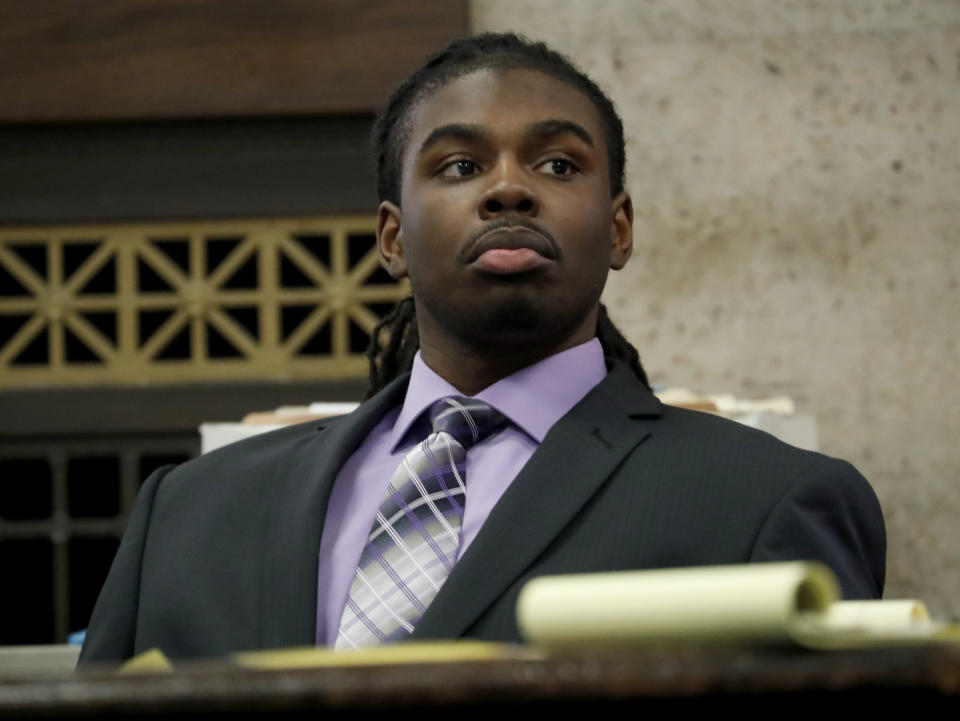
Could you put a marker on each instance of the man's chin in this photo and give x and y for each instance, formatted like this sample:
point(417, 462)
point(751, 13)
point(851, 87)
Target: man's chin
point(511, 322)
point(518, 314)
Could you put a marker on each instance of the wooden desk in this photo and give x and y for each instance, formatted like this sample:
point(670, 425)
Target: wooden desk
point(600, 682)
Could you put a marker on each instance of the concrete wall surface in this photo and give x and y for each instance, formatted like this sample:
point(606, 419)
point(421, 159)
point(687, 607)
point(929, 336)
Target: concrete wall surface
point(795, 169)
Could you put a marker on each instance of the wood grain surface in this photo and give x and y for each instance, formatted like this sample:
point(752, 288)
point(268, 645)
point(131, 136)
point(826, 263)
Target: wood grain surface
point(67, 60)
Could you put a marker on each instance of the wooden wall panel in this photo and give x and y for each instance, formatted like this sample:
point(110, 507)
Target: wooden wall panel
point(62, 173)
point(67, 60)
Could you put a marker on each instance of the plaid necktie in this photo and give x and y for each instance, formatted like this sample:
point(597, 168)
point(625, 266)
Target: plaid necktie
point(413, 544)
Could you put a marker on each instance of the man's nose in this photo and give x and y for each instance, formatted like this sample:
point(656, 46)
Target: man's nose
point(510, 193)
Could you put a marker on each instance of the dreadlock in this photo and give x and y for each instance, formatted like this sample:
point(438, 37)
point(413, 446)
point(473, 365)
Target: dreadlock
point(395, 357)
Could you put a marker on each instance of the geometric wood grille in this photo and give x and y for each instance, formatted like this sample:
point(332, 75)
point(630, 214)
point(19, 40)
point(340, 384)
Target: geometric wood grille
point(208, 300)
point(63, 506)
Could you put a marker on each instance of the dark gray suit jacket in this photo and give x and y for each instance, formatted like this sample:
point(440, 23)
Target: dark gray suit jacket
point(220, 553)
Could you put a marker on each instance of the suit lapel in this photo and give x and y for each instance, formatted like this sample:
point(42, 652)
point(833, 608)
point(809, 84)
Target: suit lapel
point(298, 496)
point(576, 457)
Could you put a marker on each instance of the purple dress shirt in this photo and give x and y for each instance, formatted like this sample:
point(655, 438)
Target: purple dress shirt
point(533, 399)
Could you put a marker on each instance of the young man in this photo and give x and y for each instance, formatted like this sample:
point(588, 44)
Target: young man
point(501, 180)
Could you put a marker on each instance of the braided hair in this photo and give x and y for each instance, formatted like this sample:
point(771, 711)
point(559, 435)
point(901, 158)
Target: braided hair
point(392, 356)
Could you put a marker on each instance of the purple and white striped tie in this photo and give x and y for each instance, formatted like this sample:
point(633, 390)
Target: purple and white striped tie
point(413, 544)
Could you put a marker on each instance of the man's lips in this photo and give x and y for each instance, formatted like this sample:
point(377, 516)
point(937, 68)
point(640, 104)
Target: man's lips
point(506, 250)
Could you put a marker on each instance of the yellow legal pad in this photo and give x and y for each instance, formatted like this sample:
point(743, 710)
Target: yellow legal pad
point(793, 603)
point(409, 652)
point(154, 660)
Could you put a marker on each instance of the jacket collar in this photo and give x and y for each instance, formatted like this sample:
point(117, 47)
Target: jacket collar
point(577, 457)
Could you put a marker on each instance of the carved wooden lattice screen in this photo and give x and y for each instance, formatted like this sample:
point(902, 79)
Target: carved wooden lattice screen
point(169, 302)
point(152, 304)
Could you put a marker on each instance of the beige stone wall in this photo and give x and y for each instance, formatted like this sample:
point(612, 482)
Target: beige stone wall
point(795, 168)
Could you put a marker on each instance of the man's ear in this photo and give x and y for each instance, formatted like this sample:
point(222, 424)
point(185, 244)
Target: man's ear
point(621, 231)
point(390, 240)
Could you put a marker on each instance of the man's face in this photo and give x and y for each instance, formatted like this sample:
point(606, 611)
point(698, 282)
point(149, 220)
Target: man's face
point(507, 228)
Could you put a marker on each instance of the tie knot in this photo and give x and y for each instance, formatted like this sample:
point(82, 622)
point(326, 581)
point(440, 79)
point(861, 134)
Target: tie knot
point(466, 419)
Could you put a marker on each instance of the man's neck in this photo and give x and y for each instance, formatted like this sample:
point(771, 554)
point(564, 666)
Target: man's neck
point(471, 364)
point(470, 372)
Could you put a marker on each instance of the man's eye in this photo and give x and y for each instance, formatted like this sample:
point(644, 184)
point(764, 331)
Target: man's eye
point(558, 166)
point(460, 169)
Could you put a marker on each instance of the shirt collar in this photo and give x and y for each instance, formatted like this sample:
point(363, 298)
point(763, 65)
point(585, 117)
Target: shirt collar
point(533, 398)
